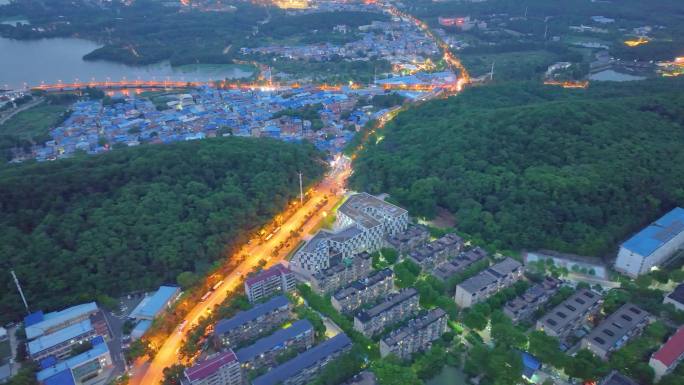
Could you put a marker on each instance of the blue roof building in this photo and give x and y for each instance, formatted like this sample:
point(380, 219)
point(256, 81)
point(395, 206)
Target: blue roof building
point(151, 306)
point(653, 245)
point(38, 324)
point(302, 368)
point(59, 343)
point(530, 366)
point(81, 366)
point(245, 317)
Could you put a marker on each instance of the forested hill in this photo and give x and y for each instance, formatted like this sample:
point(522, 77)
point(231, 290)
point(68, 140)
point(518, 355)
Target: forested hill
point(530, 166)
point(136, 218)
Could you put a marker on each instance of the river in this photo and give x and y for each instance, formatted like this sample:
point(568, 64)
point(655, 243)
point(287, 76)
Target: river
point(51, 60)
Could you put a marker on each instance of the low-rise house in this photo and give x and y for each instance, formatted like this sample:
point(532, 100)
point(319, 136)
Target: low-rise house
point(152, 306)
point(464, 260)
point(249, 324)
point(303, 368)
point(299, 336)
point(220, 369)
point(676, 298)
point(488, 282)
point(522, 307)
point(417, 336)
point(276, 280)
point(342, 273)
point(89, 367)
point(437, 251)
point(570, 314)
point(405, 241)
point(363, 291)
point(395, 308)
point(611, 334)
point(669, 355)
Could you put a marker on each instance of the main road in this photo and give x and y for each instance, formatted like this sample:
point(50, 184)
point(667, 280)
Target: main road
point(332, 186)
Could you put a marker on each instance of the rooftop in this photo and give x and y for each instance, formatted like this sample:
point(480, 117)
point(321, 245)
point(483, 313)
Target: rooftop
point(363, 208)
point(364, 283)
point(618, 325)
point(304, 360)
point(38, 323)
point(615, 378)
point(655, 235)
point(99, 348)
point(62, 378)
point(565, 311)
point(49, 340)
point(677, 294)
point(275, 270)
point(389, 303)
point(152, 305)
point(275, 340)
point(670, 352)
point(210, 366)
point(250, 315)
point(414, 326)
point(490, 275)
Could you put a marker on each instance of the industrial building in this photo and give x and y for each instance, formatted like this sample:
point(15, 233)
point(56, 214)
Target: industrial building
point(653, 245)
point(249, 324)
point(396, 308)
point(39, 324)
point(275, 280)
point(417, 336)
point(570, 314)
point(60, 343)
point(488, 282)
point(611, 334)
point(89, 367)
point(151, 306)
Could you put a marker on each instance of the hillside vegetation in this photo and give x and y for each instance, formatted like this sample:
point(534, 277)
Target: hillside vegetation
point(528, 166)
point(135, 218)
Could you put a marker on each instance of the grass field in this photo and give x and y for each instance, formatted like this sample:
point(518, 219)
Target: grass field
point(523, 65)
point(34, 122)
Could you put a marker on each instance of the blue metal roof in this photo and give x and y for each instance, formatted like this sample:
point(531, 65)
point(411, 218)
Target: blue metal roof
point(276, 340)
point(651, 238)
point(307, 359)
point(50, 340)
point(247, 316)
point(151, 306)
point(37, 323)
point(98, 350)
point(530, 364)
point(62, 378)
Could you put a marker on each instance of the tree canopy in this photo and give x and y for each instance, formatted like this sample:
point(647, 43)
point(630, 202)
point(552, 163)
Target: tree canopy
point(136, 218)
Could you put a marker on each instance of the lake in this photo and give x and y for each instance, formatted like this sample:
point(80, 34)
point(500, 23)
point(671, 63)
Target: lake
point(448, 376)
point(50, 60)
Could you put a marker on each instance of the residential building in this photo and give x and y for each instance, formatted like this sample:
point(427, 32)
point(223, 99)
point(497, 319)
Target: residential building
point(417, 336)
point(653, 245)
point(275, 280)
point(676, 298)
point(437, 251)
point(342, 273)
point(251, 323)
point(464, 260)
point(396, 308)
point(90, 367)
point(522, 307)
point(151, 306)
point(60, 343)
point(299, 336)
point(669, 355)
point(626, 322)
point(303, 368)
point(570, 314)
point(220, 369)
point(362, 222)
point(363, 291)
point(616, 378)
point(406, 241)
point(39, 324)
point(488, 282)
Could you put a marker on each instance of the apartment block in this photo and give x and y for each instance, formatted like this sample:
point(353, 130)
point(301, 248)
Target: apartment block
point(254, 322)
point(342, 273)
point(299, 336)
point(666, 359)
point(417, 336)
point(276, 280)
point(436, 252)
point(363, 291)
point(220, 369)
point(570, 314)
point(488, 282)
point(406, 241)
point(448, 269)
point(303, 368)
point(522, 307)
point(611, 334)
point(396, 308)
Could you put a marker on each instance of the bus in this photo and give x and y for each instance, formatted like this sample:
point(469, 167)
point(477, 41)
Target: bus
point(218, 284)
point(205, 296)
point(269, 236)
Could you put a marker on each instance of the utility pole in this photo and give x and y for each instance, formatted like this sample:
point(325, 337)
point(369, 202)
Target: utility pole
point(16, 281)
point(491, 74)
point(301, 190)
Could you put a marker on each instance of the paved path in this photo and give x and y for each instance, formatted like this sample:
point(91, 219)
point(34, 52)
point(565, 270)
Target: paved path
point(24, 107)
